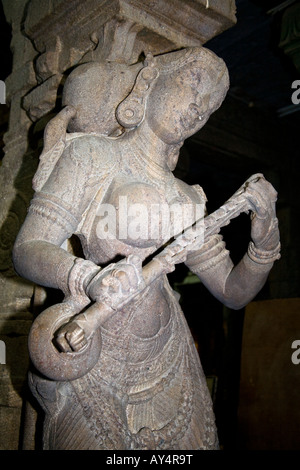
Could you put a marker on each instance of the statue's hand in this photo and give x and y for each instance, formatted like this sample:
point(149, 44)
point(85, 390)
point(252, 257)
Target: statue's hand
point(264, 226)
point(71, 337)
point(114, 284)
point(112, 287)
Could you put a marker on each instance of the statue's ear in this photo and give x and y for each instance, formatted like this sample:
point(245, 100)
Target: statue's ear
point(54, 144)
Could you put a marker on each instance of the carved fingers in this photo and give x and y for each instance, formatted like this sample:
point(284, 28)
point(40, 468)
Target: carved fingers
point(71, 337)
point(264, 227)
point(262, 197)
point(175, 254)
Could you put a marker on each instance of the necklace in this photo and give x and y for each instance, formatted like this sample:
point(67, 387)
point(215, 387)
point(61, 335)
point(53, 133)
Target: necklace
point(149, 170)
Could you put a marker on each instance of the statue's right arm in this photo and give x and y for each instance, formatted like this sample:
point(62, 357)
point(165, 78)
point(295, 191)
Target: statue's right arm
point(38, 256)
point(53, 216)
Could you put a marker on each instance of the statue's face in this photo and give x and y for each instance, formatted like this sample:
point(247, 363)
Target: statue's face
point(181, 103)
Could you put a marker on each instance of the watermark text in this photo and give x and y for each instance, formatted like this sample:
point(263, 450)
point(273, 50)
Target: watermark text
point(2, 352)
point(296, 354)
point(2, 92)
point(296, 94)
point(137, 222)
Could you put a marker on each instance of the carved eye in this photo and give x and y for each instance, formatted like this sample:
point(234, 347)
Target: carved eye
point(195, 110)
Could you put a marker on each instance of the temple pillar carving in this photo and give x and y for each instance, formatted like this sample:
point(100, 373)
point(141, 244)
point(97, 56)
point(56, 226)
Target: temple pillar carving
point(49, 38)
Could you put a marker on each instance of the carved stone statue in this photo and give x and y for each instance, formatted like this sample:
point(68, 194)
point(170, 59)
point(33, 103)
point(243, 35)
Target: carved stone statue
point(115, 363)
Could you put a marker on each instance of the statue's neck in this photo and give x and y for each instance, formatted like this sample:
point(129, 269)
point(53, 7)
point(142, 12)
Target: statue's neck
point(152, 150)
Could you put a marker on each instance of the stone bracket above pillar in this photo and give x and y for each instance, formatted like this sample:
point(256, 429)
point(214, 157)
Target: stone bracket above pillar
point(68, 33)
point(181, 22)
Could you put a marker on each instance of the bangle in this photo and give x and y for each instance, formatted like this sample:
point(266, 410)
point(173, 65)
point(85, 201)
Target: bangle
point(263, 256)
point(80, 275)
point(211, 263)
point(208, 256)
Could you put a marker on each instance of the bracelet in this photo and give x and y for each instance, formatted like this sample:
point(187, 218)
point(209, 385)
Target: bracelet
point(211, 263)
point(214, 253)
point(263, 256)
point(80, 275)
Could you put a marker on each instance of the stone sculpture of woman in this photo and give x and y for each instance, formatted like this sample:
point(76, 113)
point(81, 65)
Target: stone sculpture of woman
point(126, 125)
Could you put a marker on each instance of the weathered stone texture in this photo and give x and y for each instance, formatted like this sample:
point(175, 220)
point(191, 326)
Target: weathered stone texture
point(48, 39)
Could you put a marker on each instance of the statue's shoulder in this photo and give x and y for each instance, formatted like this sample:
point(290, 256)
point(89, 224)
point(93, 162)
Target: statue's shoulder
point(194, 192)
point(82, 154)
point(90, 151)
point(74, 176)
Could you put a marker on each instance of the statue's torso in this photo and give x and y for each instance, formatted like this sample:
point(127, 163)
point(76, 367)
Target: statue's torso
point(128, 210)
point(148, 370)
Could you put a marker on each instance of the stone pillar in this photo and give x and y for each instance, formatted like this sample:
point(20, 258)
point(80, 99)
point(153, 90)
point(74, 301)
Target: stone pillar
point(49, 38)
point(15, 176)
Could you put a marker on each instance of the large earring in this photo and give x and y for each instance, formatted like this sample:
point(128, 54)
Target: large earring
point(131, 111)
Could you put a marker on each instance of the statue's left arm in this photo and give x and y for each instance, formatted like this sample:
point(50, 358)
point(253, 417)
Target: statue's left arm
point(236, 286)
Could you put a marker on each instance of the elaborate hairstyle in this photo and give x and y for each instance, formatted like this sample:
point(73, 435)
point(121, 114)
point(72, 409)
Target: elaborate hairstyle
point(95, 89)
point(109, 97)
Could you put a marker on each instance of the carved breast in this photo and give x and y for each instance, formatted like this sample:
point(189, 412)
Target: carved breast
point(137, 216)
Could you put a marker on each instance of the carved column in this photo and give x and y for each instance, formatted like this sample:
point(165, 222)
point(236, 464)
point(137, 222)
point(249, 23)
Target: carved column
point(15, 176)
point(49, 38)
